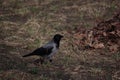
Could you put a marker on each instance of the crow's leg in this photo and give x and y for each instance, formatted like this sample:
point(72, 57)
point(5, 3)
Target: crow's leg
point(49, 58)
point(42, 60)
point(37, 61)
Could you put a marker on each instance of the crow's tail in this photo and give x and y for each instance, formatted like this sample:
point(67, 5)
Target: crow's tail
point(27, 55)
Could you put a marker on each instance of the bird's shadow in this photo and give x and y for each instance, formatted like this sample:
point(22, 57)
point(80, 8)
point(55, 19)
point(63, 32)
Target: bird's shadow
point(40, 61)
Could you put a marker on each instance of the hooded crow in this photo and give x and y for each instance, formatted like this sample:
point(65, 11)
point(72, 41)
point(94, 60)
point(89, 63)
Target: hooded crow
point(48, 50)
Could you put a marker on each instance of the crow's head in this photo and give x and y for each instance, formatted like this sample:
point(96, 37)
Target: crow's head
point(57, 37)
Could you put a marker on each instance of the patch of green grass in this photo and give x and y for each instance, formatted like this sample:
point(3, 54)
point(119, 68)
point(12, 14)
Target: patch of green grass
point(81, 16)
point(96, 70)
point(113, 6)
point(44, 77)
point(22, 11)
point(34, 70)
point(30, 30)
point(67, 60)
point(34, 9)
point(54, 8)
point(86, 25)
point(116, 56)
point(37, 42)
point(31, 46)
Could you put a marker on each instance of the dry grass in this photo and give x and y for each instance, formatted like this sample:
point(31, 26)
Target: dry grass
point(26, 25)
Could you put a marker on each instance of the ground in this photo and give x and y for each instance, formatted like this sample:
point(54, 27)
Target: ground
point(26, 25)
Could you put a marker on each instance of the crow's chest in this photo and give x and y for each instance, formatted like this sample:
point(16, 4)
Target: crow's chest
point(54, 50)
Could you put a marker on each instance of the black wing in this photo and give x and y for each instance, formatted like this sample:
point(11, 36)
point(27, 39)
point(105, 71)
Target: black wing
point(41, 52)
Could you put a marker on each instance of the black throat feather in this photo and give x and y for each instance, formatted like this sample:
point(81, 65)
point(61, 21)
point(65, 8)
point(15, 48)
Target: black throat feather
point(57, 43)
